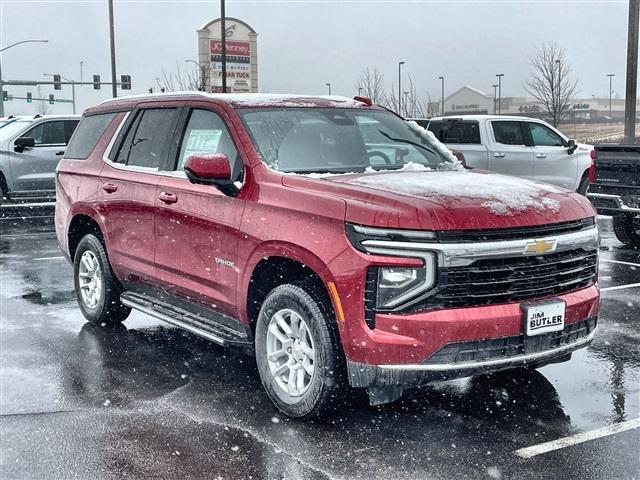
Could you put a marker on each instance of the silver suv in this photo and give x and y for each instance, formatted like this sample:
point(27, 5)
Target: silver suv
point(30, 148)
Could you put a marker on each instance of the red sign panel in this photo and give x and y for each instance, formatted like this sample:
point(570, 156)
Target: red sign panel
point(234, 48)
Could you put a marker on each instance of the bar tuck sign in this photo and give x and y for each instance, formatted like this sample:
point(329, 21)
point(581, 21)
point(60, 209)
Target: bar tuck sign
point(242, 59)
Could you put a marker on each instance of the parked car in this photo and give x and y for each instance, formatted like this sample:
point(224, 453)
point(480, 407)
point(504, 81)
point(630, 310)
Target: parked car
point(266, 222)
point(30, 149)
point(518, 146)
point(615, 188)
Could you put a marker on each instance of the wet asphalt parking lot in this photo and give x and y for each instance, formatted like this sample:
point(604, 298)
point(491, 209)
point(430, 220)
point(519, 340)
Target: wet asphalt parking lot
point(147, 400)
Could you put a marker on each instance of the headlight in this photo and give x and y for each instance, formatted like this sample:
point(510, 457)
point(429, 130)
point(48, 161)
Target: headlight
point(398, 285)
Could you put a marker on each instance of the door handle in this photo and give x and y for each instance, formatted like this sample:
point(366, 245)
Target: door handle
point(109, 187)
point(168, 197)
point(541, 155)
point(61, 152)
point(498, 155)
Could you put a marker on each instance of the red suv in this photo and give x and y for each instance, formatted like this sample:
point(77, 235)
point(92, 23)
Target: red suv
point(338, 243)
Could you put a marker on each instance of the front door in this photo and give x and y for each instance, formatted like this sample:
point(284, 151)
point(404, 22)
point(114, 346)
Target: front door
point(34, 168)
point(509, 153)
point(197, 225)
point(553, 164)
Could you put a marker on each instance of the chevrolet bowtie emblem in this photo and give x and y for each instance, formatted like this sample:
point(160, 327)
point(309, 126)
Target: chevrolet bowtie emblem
point(541, 246)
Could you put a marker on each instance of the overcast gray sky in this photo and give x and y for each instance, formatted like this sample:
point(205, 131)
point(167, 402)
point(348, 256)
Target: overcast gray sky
point(302, 45)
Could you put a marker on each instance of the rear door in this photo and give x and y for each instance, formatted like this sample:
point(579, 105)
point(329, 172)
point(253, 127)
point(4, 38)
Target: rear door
point(463, 136)
point(552, 162)
point(34, 168)
point(509, 154)
point(127, 192)
point(197, 225)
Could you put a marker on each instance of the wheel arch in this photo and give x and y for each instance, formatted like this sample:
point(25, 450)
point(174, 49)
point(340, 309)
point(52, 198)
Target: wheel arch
point(82, 224)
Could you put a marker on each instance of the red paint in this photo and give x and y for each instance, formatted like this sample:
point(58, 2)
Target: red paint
point(175, 244)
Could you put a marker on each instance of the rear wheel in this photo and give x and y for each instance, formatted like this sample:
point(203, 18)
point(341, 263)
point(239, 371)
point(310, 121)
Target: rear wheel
point(97, 289)
point(627, 230)
point(298, 352)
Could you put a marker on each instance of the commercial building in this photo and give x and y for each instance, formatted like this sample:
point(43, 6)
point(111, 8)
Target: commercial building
point(241, 56)
point(468, 100)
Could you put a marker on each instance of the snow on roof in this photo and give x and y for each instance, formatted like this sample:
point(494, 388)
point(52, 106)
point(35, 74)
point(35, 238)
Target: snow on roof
point(255, 99)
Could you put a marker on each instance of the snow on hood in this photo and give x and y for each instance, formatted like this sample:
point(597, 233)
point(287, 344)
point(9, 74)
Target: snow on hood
point(502, 195)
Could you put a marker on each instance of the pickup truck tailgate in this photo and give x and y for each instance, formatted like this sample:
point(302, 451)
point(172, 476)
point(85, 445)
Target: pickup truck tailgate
point(618, 165)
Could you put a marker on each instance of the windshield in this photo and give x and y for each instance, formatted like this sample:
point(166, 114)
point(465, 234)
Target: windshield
point(9, 130)
point(332, 140)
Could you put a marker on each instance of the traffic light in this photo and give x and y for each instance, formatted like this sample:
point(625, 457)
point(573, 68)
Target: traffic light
point(96, 82)
point(52, 100)
point(5, 96)
point(125, 82)
point(56, 82)
point(29, 97)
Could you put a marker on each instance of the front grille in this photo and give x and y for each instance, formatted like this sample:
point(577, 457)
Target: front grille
point(506, 347)
point(506, 280)
point(370, 297)
point(501, 234)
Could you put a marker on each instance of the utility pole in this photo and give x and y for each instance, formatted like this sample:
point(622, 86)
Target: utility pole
point(632, 73)
point(495, 97)
point(558, 86)
point(610, 75)
point(224, 46)
point(442, 97)
point(499, 75)
point(400, 88)
point(112, 44)
point(81, 65)
point(406, 102)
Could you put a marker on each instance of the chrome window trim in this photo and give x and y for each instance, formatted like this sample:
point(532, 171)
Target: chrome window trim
point(616, 198)
point(525, 358)
point(463, 254)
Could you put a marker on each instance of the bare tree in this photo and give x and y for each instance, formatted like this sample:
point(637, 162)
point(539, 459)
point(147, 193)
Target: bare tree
point(411, 106)
point(192, 79)
point(371, 85)
point(42, 107)
point(550, 83)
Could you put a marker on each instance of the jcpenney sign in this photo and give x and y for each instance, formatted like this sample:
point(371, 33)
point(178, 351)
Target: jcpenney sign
point(234, 48)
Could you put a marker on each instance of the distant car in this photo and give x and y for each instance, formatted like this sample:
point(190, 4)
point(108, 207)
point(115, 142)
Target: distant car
point(519, 146)
point(30, 149)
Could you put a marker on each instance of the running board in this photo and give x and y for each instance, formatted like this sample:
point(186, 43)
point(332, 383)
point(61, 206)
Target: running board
point(188, 321)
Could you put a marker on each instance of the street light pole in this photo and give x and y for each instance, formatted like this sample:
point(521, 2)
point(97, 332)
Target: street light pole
point(610, 75)
point(112, 47)
point(442, 97)
point(499, 75)
point(73, 89)
point(1, 82)
point(223, 27)
point(631, 88)
point(328, 85)
point(495, 97)
point(400, 88)
point(406, 102)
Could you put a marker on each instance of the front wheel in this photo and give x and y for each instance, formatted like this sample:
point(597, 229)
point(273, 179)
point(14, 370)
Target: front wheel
point(97, 289)
point(298, 353)
point(627, 230)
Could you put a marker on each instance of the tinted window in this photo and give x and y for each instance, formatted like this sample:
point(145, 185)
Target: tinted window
point(508, 133)
point(207, 133)
point(456, 132)
point(543, 136)
point(48, 133)
point(69, 127)
point(148, 142)
point(87, 134)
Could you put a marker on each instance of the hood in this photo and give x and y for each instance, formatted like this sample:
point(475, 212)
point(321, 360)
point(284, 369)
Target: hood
point(451, 200)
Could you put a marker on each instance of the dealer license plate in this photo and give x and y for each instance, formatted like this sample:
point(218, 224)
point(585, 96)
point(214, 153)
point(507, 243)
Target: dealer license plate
point(544, 317)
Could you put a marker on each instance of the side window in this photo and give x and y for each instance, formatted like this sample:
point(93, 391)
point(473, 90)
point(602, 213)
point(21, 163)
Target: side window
point(48, 133)
point(148, 141)
point(508, 133)
point(86, 135)
point(69, 127)
point(543, 136)
point(456, 132)
point(206, 132)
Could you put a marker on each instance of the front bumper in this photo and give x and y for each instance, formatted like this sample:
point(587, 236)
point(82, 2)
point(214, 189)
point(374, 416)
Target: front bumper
point(474, 357)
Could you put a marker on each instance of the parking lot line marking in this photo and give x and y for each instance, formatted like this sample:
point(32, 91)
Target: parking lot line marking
point(534, 450)
point(620, 287)
point(620, 262)
point(49, 258)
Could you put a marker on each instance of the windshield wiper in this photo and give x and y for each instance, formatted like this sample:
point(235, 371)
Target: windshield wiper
point(409, 142)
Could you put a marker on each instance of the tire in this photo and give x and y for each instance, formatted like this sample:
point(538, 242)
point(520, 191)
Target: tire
point(584, 185)
point(325, 387)
point(2, 192)
point(90, 264)
point(626, 231)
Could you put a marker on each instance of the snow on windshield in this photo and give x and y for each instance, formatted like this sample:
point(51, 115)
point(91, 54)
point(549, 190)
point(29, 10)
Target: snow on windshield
point(500, 194)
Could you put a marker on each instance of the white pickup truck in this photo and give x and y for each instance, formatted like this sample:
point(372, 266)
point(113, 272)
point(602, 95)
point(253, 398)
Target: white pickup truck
point(518, 146)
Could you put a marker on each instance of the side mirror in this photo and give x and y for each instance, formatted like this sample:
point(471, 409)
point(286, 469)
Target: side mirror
point(211, 169)
point(571, 146)
point(23, 142)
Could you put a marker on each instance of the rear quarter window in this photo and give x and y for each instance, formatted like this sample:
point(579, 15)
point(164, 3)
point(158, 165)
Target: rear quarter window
point(87, 134)
point(456, 132)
